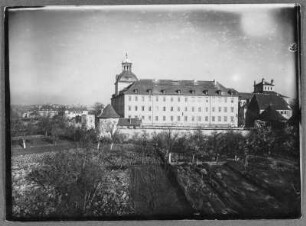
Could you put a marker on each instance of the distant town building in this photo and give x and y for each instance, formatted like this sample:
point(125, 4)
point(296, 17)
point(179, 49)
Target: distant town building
point(88, 121)
point(174, 102)
point(75, 112)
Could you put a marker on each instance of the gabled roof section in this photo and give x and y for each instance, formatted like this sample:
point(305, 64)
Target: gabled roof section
point(108, 112)
point(266, 100)
point(270, 114)
point(185, 87)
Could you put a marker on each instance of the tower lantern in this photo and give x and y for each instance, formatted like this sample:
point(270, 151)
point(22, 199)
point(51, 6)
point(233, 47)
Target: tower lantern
point(126, 64)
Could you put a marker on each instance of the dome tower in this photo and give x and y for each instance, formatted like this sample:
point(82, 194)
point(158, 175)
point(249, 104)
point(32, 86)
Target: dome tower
point(126, 77)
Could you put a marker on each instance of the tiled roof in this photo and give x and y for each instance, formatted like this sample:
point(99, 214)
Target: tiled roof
point(245, 95)
point(109, 112)
point(129, 122)
point(266, 100)
point(126, 76)
point(174, 87)
point(270, 114)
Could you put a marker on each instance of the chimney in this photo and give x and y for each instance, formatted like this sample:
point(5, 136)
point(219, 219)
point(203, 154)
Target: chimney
point(254, 82)
point(263, 80)
point(272, 80)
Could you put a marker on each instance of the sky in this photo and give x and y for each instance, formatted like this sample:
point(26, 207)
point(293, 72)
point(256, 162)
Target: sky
point(71, 55)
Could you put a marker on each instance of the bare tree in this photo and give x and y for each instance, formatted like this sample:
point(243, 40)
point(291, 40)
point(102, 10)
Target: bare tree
point(171, 138)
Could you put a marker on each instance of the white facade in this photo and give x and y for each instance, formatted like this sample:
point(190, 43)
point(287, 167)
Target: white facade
point(182, 110)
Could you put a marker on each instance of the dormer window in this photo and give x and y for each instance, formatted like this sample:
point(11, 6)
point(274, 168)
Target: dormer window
point(149, 91)
point(163, 91)
point(205, 92)
point(219, 92)
point(192, 91)
point(178, 91)
point(135, 90)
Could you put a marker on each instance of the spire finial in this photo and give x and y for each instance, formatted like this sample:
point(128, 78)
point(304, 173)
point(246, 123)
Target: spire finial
point(126, 55)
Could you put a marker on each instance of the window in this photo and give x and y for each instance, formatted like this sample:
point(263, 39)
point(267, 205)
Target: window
point(206, 118)
point(225, 109)
point(130, 98)
point(206, 109)
point(150, 118)
point(150, 108)
point(219, 109)
point(143, 98)
point(156, 98)
point(143, 117)
point(135, 90)
point(219, 99)
point(164, 98)
point(219, 118)
point(130, 108)
point(171, 118)
point(199, 109)
point(225, 118)
point(171, 109)
point(213, 109)
point(199, 99)
point(232, 109)
point(206, 100)
point(136, 108)
point(185, 118)
point(199, 118)
point(171, 99)
point(178, 109)
point(192, 118)
point(186, 99)
point(186, 109)
point(213, 118)
point(164, 118)
point(156, 118)
point(232, 118)
point(225, 99)
point(129, 116)
point(164, 108)
point(192, 109)
point(232, 100)
point(142, 108)
point(136, 98)
point(178, 118)
point(150, 98)
point(179, 99)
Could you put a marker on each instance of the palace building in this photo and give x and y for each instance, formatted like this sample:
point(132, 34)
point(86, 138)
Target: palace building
point(174, 102)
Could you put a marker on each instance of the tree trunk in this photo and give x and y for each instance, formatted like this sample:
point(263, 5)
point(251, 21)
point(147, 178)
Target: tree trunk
point(24, 144)
point(169, 160)
point(111, 146)
point(98, 146)
point(192, 158)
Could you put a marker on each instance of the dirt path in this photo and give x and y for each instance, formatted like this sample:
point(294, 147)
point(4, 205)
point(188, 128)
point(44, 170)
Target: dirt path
point(154, 195)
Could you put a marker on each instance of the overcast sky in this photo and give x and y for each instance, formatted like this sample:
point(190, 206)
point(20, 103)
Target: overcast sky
point(72, 55)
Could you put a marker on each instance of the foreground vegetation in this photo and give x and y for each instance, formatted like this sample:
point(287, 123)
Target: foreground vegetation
point(223, 175)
